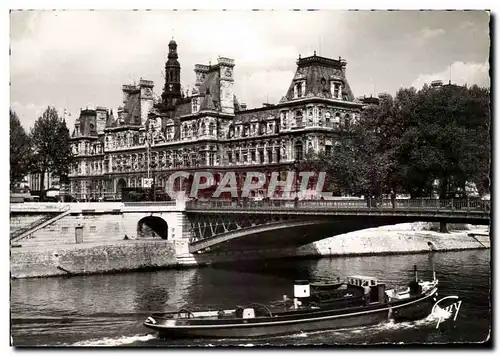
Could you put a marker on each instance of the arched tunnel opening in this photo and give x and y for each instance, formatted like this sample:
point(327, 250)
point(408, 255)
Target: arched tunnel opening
point(152, 227)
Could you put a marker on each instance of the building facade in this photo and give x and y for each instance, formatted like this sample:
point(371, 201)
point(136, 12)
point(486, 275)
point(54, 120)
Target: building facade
point(207, 128)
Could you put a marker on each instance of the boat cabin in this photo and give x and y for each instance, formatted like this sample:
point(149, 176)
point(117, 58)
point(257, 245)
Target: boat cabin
point(362, 281)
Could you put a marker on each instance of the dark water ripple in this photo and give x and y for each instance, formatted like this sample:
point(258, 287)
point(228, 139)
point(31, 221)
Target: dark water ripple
point(108, 310)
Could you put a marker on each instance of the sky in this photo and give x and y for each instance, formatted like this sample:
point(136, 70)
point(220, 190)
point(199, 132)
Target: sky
point(76, 59)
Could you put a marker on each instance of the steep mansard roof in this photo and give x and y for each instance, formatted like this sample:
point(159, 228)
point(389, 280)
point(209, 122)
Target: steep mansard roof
point(86, 124)
point(317, 72)
point(132, 110)
point(210, 88)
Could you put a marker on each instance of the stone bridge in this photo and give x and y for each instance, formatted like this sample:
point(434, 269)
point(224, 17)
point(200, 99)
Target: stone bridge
point(195, 227)
point(224, 225)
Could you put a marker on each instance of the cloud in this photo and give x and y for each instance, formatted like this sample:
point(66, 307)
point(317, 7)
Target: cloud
point(73, 59)
point(428, 33)
point(27, 113)
point(461, 73)
point(250, 89)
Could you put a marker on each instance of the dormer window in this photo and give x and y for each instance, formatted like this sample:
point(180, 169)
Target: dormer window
point(262, 128)
point(336, 89)
point(299, 89)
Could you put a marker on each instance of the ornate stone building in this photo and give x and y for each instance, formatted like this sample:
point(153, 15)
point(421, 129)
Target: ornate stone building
point(207, 128)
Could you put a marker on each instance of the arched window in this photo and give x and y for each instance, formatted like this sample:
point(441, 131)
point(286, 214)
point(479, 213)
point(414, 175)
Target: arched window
point(298, 151)
point(185, 131)
point(231, 131)
point(336, 121)
point(203, 128)
point(211, 129)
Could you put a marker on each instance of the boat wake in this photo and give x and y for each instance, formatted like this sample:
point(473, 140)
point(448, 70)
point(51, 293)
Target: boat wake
point(439, 315)
point(118, 341)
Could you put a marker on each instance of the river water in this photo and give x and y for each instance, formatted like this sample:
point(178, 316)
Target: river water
point(108, 310)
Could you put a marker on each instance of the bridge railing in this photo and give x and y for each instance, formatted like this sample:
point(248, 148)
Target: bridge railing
point(354, 204)
point(150, 203)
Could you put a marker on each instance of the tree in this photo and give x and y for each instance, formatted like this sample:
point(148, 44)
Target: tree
point(407, 143)
point(19, 150)
point(446, 138)
point(51, 143)
point(362, 158)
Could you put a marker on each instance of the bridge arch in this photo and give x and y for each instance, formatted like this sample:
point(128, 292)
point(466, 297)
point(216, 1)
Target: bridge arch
point(152, 226)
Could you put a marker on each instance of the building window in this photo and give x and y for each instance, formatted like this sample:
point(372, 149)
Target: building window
point(261, 156)
point(299, 90)
point(269, 155)
point(298, 118)
point(202, 128)
point(237, 156)
point(336, 121)
point(230, 157)
point(346, 122)
point(278, 157)
point(253, 155)
point(211, 128)
point(298, 151)
point(262, 128)
point(211, 159)
point(328, 150)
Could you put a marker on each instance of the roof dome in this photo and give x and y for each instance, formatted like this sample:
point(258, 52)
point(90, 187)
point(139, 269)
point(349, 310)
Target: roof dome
point(172, 43)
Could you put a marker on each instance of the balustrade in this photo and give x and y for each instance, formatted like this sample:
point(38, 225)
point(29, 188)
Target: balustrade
point(347, 204)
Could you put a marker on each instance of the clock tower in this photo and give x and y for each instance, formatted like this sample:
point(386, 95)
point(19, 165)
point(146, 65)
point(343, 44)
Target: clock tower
point(172, 88)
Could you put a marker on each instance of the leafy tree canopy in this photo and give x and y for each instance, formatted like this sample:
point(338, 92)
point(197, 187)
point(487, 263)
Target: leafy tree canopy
point(51, 144)
point(19, 149)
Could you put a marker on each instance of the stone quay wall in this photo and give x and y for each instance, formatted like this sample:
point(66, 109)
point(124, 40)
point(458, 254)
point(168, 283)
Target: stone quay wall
point(67, 260)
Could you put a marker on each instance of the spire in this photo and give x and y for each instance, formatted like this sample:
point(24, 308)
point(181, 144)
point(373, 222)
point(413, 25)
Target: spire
point(172, 50)
point(172, 88)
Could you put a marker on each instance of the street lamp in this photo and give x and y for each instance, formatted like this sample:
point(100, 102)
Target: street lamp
point(149, 141)
point(296, 165)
